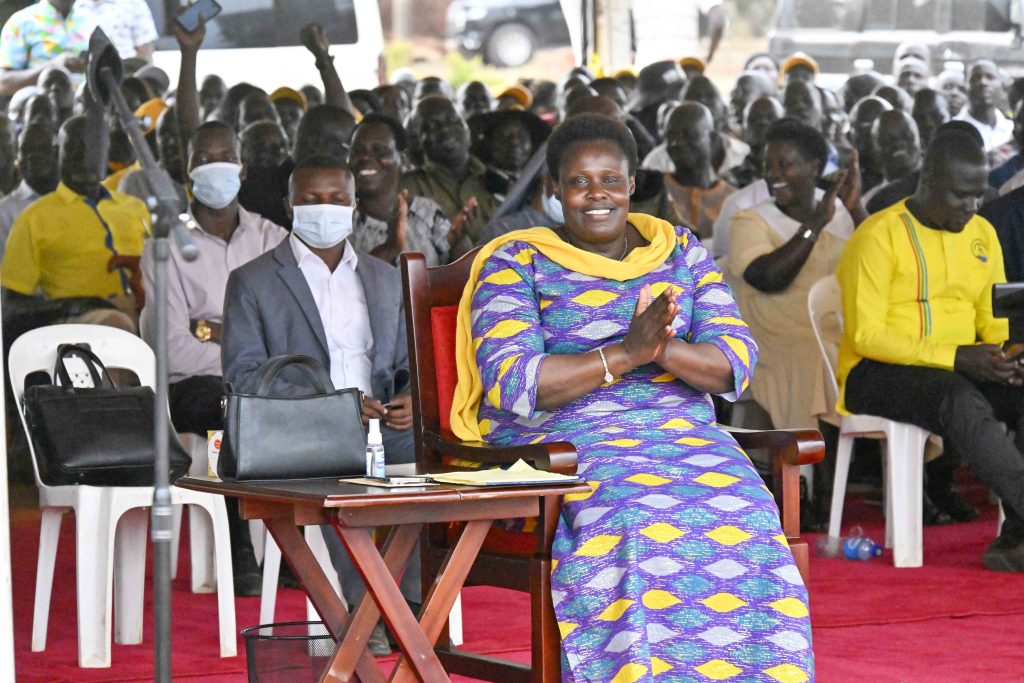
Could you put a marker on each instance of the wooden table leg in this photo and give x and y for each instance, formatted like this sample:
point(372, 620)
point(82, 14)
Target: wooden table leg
point(326, 602)
point(396, 552)
point(449, 580)
point(381, 585)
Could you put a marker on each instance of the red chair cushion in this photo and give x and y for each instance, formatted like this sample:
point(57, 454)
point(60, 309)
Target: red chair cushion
point(442, 328)
point(503, 541)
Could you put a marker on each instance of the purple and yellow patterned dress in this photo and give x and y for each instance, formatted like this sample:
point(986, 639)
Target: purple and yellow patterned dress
point(675, 568)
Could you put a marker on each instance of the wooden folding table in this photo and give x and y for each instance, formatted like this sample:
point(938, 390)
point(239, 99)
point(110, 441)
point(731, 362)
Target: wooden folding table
point(286, 506)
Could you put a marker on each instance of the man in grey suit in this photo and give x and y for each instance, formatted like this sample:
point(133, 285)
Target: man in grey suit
point(315, 295)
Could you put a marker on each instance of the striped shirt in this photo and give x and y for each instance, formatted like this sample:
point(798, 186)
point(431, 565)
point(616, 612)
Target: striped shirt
point(913, 294)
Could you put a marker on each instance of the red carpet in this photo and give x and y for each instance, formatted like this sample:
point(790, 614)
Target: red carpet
point(950, 620)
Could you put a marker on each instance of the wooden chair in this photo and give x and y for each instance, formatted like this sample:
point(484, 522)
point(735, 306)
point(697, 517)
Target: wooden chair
point(522, 560)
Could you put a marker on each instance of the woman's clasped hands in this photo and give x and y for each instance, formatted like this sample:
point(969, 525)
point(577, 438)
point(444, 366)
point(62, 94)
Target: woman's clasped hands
point(650, 330)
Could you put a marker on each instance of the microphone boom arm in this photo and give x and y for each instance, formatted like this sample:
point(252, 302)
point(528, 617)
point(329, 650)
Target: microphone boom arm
point(163, 203)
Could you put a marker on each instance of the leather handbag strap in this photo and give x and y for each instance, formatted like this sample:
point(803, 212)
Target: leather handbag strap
point(310, 367)
point(91, 360)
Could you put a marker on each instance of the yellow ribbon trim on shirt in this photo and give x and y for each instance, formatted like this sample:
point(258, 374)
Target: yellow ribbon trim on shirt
point(642, 260)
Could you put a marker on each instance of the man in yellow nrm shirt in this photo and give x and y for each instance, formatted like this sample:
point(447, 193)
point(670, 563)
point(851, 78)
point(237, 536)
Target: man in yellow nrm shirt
point(78, 245)
point(920, 344)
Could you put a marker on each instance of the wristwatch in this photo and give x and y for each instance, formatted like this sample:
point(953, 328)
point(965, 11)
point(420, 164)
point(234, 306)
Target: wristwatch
point(203, 332)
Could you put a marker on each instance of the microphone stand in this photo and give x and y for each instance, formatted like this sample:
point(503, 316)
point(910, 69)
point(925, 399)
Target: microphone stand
point(105, 71)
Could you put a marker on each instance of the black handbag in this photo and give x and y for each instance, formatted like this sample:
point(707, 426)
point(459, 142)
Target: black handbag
point(295, 437)
point(103, 435)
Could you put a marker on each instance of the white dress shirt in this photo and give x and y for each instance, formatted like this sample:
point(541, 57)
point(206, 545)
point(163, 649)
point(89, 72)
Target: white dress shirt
point(341, 302)
point(996, 135)
point(11, 207)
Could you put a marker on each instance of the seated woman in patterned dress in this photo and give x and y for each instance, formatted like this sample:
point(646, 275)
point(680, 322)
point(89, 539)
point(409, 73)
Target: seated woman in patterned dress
point(609, 332)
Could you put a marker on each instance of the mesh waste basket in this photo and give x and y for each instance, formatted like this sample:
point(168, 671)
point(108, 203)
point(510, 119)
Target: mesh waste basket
point(288, 652)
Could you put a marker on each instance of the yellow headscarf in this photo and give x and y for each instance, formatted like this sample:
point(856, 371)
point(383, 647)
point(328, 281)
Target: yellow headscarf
point(640, 261)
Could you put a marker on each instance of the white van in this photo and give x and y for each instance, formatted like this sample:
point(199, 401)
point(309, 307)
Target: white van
point(257, 41)
point(838, 32)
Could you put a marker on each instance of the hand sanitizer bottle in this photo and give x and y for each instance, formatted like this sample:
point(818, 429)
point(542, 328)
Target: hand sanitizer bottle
point(374, 452)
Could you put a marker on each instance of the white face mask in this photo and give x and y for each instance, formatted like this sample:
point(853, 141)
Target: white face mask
point(216, 185)
point(322, 225)
point(553, 209)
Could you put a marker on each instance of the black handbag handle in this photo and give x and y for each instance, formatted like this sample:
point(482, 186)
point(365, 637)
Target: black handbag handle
point(310, 367)
point(92, 361)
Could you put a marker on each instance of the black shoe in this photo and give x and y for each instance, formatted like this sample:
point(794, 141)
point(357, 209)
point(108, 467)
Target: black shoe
point(931, 514)
point(949, 501)
point(1005, 554)
point(286, 579)
point(248, 578)
point(811, 518)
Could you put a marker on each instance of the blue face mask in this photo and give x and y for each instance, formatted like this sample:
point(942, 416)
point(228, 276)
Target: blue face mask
point(322, 225)
point(553, 209)
point(216, 185)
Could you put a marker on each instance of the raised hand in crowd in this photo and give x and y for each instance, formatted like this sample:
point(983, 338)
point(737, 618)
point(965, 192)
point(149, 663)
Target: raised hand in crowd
point(849, 191)
point(458, 238)
point(826, 208)
point(314, 38)
point(398, 231)
point(187, 96)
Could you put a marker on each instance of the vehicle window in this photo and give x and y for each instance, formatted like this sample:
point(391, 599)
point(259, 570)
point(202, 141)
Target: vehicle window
point(879, 14)
point(812, 13)
point(916, 14)
point(271, 23)
point(981, 15)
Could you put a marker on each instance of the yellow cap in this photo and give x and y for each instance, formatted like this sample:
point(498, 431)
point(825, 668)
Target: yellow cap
point(520, 93)
point(148, 113)
point(799, 59)
point(286, 93)
point(693, 63)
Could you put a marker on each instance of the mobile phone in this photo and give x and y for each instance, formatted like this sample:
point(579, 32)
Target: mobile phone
point(403, 481)
point(202, 10)
point(1007, 299)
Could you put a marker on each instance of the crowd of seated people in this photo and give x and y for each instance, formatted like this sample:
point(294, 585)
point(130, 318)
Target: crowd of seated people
point(907, 187)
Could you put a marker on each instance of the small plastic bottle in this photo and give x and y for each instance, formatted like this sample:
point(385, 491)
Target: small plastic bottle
point(374, 452)
point(856, 546)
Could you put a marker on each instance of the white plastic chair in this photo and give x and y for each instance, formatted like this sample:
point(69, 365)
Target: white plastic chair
point(201, 542)
point(105, 512)
point(904, 451)
point(272, 570)
point(201, 546)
